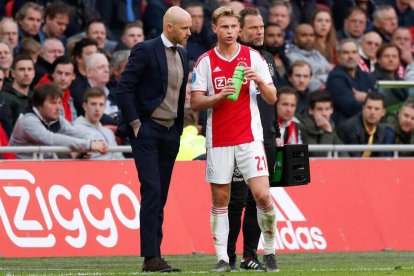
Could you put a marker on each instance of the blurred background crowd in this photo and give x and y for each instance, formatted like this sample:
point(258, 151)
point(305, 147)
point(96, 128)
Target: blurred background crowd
point(329, 57)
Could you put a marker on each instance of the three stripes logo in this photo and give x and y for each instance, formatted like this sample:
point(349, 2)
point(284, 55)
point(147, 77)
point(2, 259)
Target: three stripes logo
point(292, 230)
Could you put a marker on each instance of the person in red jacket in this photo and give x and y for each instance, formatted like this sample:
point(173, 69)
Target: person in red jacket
point(4, 141)
point(63, 73)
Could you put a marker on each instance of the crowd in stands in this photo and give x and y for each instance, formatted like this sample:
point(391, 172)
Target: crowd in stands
point(60, 62)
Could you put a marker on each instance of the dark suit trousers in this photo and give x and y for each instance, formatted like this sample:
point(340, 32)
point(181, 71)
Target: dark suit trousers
point(155, 150)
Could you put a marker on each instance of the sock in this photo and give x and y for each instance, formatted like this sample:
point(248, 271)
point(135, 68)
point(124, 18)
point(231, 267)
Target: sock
point(266, 218)
point(219, 221)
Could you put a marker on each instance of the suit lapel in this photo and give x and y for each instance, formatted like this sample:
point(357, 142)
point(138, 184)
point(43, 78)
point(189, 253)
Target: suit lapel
point(159, 51)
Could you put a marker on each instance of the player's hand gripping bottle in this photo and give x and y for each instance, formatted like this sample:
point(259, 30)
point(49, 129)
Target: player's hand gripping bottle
point(238, 76)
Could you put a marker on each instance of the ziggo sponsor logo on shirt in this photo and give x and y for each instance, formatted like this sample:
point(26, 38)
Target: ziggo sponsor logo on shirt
point(19, 203)
point(221, 82)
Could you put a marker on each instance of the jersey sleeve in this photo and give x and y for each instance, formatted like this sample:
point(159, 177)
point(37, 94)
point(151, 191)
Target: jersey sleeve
point(201, 75)
point(260, 66)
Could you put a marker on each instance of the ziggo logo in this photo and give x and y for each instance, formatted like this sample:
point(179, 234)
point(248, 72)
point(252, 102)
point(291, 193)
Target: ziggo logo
point(75, 224)
point(221, 82)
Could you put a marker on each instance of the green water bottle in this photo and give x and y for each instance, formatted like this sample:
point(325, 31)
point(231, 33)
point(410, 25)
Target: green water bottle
point(238, 76)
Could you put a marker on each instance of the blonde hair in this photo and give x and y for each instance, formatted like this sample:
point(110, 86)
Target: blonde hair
point(224, 11)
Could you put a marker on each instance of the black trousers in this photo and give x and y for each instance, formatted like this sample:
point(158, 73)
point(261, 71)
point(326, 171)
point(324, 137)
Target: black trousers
point(154, 150)
point(242, 198)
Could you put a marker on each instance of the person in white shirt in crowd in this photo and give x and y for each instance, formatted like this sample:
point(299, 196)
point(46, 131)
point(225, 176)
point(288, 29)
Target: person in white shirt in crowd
point(94, 106)
point(42, 125)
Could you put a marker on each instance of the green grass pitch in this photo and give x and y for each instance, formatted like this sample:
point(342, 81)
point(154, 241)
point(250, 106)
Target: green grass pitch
point(352, 263)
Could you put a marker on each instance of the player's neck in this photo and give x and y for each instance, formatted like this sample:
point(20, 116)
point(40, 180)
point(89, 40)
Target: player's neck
point(226, 50)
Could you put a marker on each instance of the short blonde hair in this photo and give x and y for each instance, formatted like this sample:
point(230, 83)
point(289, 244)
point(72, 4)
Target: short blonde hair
point(224, 11)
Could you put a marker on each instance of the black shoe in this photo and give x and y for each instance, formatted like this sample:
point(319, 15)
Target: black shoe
point(251, 263)
point(222, 266)
point(232, 262)
point(270, 263)
point(158, 264)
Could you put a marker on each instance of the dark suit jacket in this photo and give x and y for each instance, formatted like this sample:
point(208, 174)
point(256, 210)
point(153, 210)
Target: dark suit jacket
point(143, 84)
point(340, 85)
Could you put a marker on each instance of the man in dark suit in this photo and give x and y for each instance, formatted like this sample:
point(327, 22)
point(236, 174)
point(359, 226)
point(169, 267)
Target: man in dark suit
point(151, 95)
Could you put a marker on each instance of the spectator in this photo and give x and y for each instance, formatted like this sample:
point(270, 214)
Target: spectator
point(117, 65)
point(325, 35)
point(42, 125)
point(4, 122)
point(385, 22)
point(368, 49)
point(236, 5)
point(81, 51)
point(355, 24)
point(4, 141)
point(274, 41)
point(341, 8)
point(82, 12)
point(287, 99)
point(97, 30)
point(119, 13)
point(31, 47)
point(403, 125)
point(51, 49)
point(9, 32)
point(18, 94)
point(298, 77)
point(280, 13)
point(97, 73)
point(302, 11)
point(365, 128)
point(153, 15)
point(62, 74)
point(404, 9)
point(57, 17)
point(94, 105)
point(6, 61)
point(403, 40)
point(304, 49)
point(132, 34)
point(388, 57)
point(317, 127)
point(29, 18)
point(347, 83)
point(202, 38)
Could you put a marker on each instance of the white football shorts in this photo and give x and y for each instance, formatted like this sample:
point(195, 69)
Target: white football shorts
point(250, 159)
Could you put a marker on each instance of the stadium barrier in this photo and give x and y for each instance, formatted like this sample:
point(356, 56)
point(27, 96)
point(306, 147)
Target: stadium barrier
point(331, 150)
point(90, 208)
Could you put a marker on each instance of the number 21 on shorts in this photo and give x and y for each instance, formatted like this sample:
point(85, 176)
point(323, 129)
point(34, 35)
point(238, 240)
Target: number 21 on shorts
point(261, 163)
